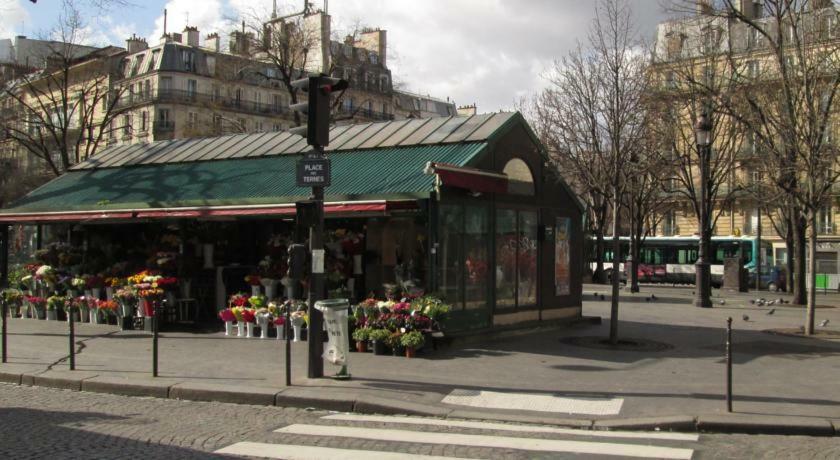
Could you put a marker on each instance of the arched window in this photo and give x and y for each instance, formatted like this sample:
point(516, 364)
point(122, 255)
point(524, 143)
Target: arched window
point(521, 179)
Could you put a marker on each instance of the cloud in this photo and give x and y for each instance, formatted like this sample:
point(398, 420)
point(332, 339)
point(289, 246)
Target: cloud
point(12, 15)
point(207, 15)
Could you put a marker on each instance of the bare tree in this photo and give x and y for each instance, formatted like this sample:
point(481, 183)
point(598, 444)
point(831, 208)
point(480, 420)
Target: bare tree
point(593, 111)
point(790, 107)
point(63, 112)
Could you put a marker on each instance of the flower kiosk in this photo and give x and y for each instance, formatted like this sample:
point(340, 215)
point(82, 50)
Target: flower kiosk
point(463, 212)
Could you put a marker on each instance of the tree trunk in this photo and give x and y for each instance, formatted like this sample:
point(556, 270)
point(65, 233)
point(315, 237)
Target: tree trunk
point(790, 247)
point(616, 274)
point(635, 251)
point(812, 273)
point(799, 241)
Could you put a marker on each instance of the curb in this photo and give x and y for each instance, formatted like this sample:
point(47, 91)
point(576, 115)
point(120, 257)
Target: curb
point(302, 397)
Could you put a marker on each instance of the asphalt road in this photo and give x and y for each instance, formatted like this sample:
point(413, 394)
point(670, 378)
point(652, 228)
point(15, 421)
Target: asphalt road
point(48, 423)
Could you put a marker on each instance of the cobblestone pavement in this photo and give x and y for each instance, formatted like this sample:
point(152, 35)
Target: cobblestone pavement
point(48, 423)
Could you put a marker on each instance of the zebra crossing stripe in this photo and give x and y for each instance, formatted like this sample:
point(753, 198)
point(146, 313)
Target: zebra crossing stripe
point(295, 452)
point(515, 428)
point(500, 442)
point(533, 402)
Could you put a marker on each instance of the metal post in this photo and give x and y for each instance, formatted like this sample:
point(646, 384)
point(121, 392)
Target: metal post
point(155, 313)
point(729, 364)
point(315, 368)
point(287, 330)
point(4, 281)
point(5, 321)
point(72, 337)
point(702, 268)
point(758, 250)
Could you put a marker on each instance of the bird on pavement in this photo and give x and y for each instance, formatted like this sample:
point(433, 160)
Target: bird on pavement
point(772, 310)
point(745, 318)
point(602, 296)
point(722, 302)
point(824, 323)
point(752, 301)
point(653, 297)
point(772, 302)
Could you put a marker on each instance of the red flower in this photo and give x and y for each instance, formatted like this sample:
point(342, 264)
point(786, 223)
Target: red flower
point(227, 315)
point(279, 321)
point(248, 316)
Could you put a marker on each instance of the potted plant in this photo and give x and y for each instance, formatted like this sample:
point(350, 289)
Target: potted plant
point(378, 337)
point(55, 303)
point(412, 341)
point(13, 298)
point(395, 343)
point(361, 336)
point(37, 306)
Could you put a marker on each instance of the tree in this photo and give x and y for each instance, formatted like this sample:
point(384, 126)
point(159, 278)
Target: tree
point(593, 118)
point(790, 108)
point(63, 112)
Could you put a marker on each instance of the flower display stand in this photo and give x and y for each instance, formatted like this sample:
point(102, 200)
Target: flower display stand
point(255, 290)
point(52, 315)
point(270, 286)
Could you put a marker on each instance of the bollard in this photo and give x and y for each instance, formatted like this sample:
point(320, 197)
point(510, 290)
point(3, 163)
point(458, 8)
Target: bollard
point(72, 323)
point(287, 330)
point(155, 313)
point(5, 321)
point(729, 365)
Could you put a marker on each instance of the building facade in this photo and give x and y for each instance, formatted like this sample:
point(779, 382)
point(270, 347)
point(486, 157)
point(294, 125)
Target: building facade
point(706, 46)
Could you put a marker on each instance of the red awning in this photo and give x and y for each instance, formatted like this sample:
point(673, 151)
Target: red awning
point(232, 211)
point(472, 179)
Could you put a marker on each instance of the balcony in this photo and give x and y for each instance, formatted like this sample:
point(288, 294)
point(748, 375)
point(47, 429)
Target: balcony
point(163, 129)
point(172, 96)
point(825, 228)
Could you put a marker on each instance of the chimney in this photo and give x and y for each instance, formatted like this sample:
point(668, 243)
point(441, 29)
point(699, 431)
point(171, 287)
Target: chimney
point(375, 40)
point(192, 35)
point(213, 42)
point(135, 44)
point(239, 43)
point(176, 37)
point(751, 9)
point(704, 7)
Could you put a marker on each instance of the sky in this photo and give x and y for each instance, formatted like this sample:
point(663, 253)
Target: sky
point(487, 52)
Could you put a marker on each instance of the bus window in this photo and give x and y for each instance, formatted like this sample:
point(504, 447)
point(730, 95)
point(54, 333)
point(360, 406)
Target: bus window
point(687, 256)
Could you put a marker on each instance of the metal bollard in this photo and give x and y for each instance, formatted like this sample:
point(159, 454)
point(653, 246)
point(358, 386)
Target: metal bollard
point(155, 314)
point(287, 330)
point(729, 365)
point(72, 323)
point(5, 321)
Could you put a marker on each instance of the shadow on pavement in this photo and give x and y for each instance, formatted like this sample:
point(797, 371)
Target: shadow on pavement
point(53, 434)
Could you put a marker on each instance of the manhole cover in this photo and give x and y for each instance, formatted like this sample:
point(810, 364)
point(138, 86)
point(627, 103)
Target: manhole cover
point(603, 343)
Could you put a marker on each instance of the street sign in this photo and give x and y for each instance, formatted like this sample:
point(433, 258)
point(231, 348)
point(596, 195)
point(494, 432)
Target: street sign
point(313, 172)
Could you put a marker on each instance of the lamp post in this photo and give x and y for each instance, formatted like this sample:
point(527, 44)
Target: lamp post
point(703, 137)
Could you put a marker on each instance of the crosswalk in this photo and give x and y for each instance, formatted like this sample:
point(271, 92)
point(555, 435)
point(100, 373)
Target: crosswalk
point(357, 430)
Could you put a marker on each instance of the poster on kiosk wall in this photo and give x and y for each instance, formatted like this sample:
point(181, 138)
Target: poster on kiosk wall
point(562, 275)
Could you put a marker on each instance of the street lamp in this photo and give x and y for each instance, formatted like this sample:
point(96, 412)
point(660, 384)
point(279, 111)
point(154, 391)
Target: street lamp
point(703, 137)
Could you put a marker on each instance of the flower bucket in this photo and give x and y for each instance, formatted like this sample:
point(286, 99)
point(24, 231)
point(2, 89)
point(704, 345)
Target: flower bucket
point(281, 331)
point(410, 352)
point(94, 316)
point(297, 329)
point(361, 346)
point(109, 293)
point(127, 310)
point(228, 328)
point(270, 286)
point(97, 293)
point(148, 308)
point(52, 315)
point(40, 312)
point(240, 329)
point(378, 347)
point(249, 330)
point(263, 323)
point(255, 291)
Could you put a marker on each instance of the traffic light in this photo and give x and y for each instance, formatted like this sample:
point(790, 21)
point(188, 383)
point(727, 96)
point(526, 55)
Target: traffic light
point(297, 261)
point(317, 108)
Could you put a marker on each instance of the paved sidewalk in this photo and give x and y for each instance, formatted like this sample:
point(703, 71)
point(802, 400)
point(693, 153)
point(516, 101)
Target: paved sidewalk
point(782, 384)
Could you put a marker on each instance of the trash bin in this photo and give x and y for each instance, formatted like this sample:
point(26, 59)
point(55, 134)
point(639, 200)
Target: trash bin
point(338, 345)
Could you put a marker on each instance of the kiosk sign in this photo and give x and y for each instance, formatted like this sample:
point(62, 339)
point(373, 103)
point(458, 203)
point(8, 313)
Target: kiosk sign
point(313, 172)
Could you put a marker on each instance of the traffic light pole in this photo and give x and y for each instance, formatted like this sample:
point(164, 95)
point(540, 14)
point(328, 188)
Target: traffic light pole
point(316, 284)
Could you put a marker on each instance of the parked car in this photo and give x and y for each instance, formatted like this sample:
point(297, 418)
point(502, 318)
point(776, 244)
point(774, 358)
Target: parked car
point(772, 279)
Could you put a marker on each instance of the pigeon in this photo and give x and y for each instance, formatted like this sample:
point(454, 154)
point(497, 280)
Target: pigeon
point(722, 302)
point(824, 323)
point(752, 301)
point(780, 301)
point(602, 296)
point(745, 318)
point(772, 302)
point(653, 297)
point(647, 299)
point(692, 292)
point(772, 310)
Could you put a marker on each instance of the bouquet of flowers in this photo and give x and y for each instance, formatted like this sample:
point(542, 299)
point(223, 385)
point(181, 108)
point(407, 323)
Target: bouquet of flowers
point(126, 295)
point(35, 301)
point(239, 300)
point(169, 283)
point(150, 293)
point(12, 297)
point(56, 302)
point(107, 306)
point(257, 301)
point(237, 313)
point(248, 315)
point(78, 283)
point(46, 274)
point(253, 280)
point(94, 282)
point(113, 282)
point(275, 310)
point(227, 315)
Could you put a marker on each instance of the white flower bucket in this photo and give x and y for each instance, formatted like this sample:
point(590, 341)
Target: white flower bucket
point(281, 331)
point(228, 328)
point(240, 329)
point(109, 293)
point(94, 316)
point(255, 291)
point(97, 293)
point(297, 330)
point(249, 328)
point(263, 323)
point(52, 315)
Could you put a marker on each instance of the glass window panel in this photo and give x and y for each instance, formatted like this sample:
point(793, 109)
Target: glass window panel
point(506, 243)
point(527, 259)
point(451, 268)
point(476, 228)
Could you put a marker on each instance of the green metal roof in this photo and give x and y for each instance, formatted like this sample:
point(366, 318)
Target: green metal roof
point(389, 173)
